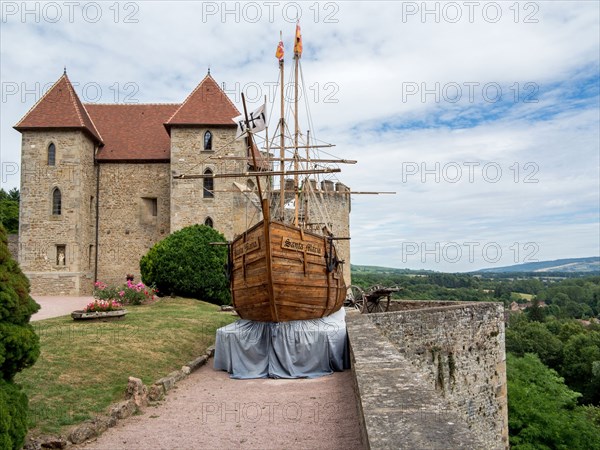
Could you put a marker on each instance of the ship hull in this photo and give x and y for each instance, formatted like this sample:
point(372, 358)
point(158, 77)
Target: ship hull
point(281, 273)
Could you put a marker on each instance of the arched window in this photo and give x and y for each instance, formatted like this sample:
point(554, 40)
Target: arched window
point(56, 202)
point(208, 140)
point(51, 154)
point(208, 184)
point(208, 222)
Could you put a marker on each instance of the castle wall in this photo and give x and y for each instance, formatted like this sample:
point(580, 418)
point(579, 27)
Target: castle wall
point(134, 215)
point(230, 210)
point(460, 350)
point(40, 232)
point(13, 246)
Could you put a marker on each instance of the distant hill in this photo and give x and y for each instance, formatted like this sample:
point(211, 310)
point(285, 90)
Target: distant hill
point(387, 270)
point(571, 265)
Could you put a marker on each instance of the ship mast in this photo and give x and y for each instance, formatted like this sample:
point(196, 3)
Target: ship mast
point(282, 137)
point(297, 53)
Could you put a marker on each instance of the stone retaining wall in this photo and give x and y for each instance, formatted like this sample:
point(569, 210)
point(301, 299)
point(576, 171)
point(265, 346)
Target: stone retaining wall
point(430, 368)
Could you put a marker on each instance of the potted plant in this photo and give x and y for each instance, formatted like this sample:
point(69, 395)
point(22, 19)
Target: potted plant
point(99, 309)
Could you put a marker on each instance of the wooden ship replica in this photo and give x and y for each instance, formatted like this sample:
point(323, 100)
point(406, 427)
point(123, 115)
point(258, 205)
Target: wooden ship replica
point(286, 266)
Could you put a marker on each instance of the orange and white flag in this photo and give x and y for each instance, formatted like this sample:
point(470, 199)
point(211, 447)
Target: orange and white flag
point(298, 43)
point(279, 52)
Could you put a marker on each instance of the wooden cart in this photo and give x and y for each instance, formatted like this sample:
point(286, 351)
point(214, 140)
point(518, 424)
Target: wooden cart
point(370, 300)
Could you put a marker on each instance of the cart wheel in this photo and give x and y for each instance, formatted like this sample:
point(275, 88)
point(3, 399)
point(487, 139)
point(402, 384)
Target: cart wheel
point(376, 306)
point(357, 297)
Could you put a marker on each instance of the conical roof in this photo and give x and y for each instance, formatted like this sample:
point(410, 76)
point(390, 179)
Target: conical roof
point(206, 105)
point(60, 107)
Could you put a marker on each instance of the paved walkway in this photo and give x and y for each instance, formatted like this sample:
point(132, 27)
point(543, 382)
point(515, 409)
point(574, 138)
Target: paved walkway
point(58, 306)
point(208, 410)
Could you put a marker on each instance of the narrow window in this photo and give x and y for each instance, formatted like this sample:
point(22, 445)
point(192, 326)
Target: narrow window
point(51, 154)
point(61, 255)
point(208, 140)
point(56, 202)
point(149, 209)
point(208, 184)
point(90, 256)
point(208, 222)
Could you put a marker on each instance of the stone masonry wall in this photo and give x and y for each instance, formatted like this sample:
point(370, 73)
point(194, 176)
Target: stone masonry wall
point(127, 224)
point(40, 232)
point(231, 211)
point(461, 351)
point(13, 246)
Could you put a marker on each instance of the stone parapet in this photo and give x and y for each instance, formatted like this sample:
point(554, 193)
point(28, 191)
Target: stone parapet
point(431, 376)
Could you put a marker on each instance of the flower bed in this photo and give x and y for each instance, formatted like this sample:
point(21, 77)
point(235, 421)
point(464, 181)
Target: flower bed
point(103, 306)
point(129, 294)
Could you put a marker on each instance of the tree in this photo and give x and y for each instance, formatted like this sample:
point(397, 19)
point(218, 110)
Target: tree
point(19, 346)
point(185, 263)
point(534, 337)
point(581, 355)
point(535, 313)
point(542, 411)
point(9, 210)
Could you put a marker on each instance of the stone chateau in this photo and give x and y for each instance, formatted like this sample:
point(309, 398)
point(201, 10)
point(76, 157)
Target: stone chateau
point(98, 187)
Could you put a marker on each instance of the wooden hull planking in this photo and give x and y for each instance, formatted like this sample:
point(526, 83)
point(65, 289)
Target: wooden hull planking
point(287, 280)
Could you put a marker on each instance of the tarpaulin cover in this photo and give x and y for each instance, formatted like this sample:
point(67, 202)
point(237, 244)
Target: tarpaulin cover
point(296, 349)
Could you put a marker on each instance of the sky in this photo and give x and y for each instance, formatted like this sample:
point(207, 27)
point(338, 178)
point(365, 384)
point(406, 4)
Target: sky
point(482, 117)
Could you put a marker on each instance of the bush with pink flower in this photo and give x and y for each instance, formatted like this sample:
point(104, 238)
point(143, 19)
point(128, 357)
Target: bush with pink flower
point(103, 306)
point(128, 294)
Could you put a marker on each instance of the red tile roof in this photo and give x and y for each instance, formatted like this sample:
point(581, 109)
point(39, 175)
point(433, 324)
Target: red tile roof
point(133, 131)
point(130, 132)
point(60, 107)
point(206, 105)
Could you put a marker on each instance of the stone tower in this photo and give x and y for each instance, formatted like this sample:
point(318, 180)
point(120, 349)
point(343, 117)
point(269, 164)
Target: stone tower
point(203, 143)
point(57, 212)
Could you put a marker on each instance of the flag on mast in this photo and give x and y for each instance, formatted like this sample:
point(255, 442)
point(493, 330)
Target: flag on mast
point(256, 121)
point(298, 43)
point(279, 52)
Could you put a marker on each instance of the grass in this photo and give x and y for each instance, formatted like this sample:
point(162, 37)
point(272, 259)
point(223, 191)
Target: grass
point(84, 366)
point(527, 297)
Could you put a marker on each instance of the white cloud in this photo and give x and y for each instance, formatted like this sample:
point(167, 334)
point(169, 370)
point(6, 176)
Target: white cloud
point(359, 61)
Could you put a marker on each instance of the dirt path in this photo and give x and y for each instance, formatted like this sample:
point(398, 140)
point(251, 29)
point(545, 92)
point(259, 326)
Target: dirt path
point(208, 410)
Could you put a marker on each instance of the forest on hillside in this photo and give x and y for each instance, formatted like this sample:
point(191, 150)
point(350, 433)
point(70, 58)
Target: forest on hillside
point(552, 343)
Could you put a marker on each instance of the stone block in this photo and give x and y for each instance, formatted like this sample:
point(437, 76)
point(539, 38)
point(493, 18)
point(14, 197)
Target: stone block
point(156, 392)
point(137, 391)
point(82, 433)
point(123, 409)
point(197, 363)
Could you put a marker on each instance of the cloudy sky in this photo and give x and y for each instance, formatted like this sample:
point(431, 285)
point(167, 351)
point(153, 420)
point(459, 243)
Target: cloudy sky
point(483, 117)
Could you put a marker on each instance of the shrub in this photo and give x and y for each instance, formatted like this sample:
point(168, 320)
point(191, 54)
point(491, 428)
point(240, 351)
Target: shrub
point(129, 294)
point(185, 264)
point(19, 346)
point(13, 416)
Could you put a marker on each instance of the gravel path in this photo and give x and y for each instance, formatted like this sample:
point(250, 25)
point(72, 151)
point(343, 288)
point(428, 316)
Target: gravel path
point(208, 410)
point(58, 306)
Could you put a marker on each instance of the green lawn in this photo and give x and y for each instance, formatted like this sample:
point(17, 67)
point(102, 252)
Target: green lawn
point(84, 366)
